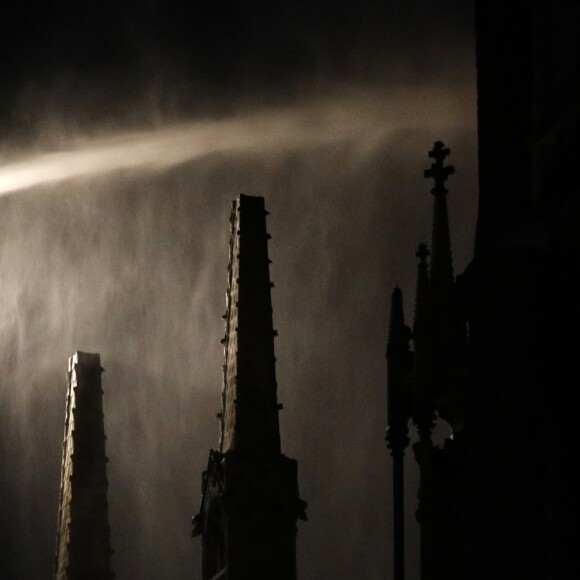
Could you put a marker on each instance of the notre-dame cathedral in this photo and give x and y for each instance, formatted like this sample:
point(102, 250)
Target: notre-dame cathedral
point(493, 351)
point(250, 500)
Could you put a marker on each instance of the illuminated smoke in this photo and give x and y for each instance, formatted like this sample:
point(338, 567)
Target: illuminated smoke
point(132, 264)
point(357, 116)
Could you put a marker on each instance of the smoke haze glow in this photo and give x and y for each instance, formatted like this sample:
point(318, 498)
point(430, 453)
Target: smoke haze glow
point(363, 117)
point(118, 244)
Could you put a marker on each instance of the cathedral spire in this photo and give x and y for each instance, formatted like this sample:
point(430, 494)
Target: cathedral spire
point(397, 321)
point(83, 537)
point(441, 262)
point(423, 294)
point(399, 396)
point(250, 500)
point(424, 407)
point(423, 400)
point(249, 417)
point(399, 370)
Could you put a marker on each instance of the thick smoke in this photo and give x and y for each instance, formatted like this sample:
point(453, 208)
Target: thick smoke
point(364, 117)
point(118, 245)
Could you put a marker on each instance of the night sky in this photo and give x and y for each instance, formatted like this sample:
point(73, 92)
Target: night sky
point(126, 129)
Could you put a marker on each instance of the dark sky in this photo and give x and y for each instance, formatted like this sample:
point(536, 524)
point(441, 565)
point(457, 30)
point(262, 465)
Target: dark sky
point(53, 54)
point(327, 109)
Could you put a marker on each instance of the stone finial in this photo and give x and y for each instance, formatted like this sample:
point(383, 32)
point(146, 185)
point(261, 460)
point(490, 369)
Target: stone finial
point(438, 171)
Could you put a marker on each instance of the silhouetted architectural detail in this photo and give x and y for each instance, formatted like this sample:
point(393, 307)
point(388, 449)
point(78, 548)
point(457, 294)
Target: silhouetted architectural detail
point(441, 262)
point(424, 410)
point(496, 501)
point(83, 549)
point(250, 499)
point(400, 401)
point(433, 378)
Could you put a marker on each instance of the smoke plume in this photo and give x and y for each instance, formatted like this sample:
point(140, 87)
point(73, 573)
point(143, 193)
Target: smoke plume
point(117, 244)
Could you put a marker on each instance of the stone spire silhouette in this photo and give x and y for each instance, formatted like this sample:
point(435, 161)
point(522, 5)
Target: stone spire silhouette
point(399, 398)
point(249, 419)
point(448, 330)
point(399, 373)
point(439, 341)
point(250, 499)
point(441, 261)
point(424, 409)
point(83, 550)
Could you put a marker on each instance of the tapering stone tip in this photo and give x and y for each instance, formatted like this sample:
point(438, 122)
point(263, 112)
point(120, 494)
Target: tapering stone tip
point(396, 298)
point(397, 319)
point(422, 253)
point(87, 359)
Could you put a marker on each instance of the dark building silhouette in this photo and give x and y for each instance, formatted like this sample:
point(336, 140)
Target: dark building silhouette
point(495, 350)
point(250, 499)
point(520, 293)
point(83, 550)
point(429, 380)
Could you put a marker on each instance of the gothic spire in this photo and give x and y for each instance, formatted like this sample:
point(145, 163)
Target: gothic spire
point(422, 295)
point(399, 395)
point(83, 537)
point(249, 417)
point(399, 369)
point(441, 261)
point(423, 342)
point(398, 333)
point(250, 499)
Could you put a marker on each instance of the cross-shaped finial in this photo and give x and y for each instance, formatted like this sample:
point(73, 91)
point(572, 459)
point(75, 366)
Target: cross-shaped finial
point(423, 253)
point(438, 172)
